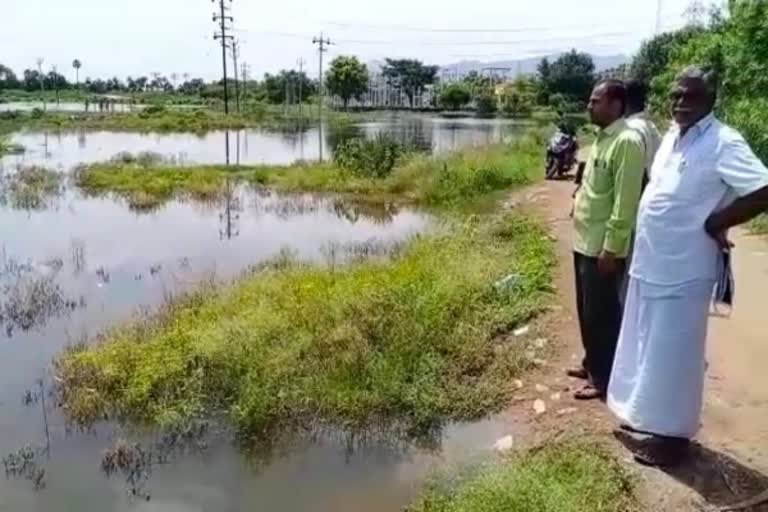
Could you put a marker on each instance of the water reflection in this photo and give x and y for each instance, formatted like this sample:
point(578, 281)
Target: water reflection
point(284, 144)
point(66, 275)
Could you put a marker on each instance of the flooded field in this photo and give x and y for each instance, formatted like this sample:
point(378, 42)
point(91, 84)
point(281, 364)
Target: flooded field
point(73, 265)
point(254, 146)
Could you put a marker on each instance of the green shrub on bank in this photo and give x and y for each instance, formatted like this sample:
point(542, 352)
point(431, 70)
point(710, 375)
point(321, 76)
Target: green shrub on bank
point(368, 158)
point(408, 341)
point(562, 477)
point(454, 180)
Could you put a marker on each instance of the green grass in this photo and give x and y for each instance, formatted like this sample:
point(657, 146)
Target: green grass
point(759, 225)
point(563, 477)
point(408, 341)
point(451, 181)
point(198, 121)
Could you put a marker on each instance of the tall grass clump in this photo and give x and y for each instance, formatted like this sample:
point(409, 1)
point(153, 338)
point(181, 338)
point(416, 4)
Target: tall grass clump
point(372, 158)
point(562, 477)
point(30, 187)
point(147, 181)
point(410, 341)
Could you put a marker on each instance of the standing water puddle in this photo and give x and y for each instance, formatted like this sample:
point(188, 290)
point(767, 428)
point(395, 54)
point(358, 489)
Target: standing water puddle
point(64, 150)
point(71, 266)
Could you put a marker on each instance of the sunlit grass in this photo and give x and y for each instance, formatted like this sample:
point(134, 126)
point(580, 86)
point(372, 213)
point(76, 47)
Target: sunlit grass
point(409, 340)
point(562, 477)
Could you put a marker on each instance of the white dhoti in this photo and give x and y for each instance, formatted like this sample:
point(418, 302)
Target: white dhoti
point(658, 373)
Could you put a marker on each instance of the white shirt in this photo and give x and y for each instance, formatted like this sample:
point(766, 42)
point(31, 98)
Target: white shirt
point(692, 177)
point(643, 125)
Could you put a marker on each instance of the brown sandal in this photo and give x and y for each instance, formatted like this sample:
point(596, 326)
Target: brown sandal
point(589, 392)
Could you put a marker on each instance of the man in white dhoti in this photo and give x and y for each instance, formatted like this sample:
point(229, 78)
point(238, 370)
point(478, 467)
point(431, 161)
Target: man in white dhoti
point(705, 179)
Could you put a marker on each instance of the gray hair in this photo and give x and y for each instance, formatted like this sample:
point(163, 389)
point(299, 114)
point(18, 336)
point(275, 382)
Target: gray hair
point(706, 75)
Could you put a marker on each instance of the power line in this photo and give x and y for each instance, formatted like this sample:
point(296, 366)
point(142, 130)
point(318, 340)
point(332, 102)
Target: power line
point(405, 28)
point(222, 19)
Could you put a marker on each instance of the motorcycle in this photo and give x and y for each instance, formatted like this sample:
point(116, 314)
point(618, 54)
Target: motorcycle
point(561, 154)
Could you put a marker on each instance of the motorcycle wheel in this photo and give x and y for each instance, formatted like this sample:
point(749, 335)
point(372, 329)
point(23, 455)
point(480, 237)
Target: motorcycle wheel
point(552, 167)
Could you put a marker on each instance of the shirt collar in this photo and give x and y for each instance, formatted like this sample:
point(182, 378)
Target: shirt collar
point(700, 127)
point(613, 128)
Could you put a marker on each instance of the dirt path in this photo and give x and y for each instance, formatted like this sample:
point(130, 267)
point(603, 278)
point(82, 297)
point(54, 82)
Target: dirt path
point(731, 463)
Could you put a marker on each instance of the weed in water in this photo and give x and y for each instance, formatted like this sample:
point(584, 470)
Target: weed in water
point(22, 464)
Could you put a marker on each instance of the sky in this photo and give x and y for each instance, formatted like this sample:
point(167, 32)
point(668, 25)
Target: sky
point(138, 37)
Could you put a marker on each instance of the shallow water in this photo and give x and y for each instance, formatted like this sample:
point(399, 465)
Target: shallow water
point(64, 150)
point(74, 265)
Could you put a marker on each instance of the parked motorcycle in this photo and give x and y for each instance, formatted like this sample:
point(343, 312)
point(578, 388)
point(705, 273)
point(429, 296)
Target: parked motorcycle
point(561, 153)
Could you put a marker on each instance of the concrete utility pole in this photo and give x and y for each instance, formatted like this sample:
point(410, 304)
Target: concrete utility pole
point(56, 82)
point(659, 8)
point(244, 74)
point(300, 62)
point(322, 43)
point(222, 18)
point(42, 81)
point(235, 50)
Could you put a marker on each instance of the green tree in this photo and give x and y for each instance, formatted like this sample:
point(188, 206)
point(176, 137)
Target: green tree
point(518, 98)
point(288, 80)
point(347, 78)
point(454, 96)
point(486, 102)
point(543, 81)
point(655, 53)
point(573, 75)
point(77, 65)
point(411, 75)
point(8, 79)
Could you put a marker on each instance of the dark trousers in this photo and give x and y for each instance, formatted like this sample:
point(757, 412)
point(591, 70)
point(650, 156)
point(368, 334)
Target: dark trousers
point(599, 303)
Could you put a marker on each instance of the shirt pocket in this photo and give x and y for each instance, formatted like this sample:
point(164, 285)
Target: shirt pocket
point(684, 178)
point(600, 178)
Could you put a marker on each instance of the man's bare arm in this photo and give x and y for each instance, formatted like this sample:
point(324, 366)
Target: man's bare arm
point(740, 211)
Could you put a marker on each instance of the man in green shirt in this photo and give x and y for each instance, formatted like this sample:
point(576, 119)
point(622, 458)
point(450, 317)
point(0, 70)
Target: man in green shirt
point(604, 218)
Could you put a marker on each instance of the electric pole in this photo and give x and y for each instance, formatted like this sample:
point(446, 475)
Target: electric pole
point(244, 78)
point(659, 8)
point(222, 18)
point(322, 43)
point(300, 62)
point(234, 63)
point(42, 80)
point(56, 83)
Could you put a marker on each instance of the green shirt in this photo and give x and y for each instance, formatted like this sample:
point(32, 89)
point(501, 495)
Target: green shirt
point(606, 205)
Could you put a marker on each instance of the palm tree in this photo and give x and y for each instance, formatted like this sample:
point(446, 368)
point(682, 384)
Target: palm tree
point(77, 65)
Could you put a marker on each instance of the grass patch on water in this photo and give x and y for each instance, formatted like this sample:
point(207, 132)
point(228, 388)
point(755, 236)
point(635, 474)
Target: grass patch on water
point(409, 341)
point(30, 187)
point(450, 181)
point(563, 477)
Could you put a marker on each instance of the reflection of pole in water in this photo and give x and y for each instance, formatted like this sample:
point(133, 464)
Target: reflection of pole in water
point(231, 215)
point(226, 146)
point(320, 137)
point(237, 157)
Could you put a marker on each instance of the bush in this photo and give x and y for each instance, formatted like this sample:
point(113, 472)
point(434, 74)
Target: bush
point(152, 111)
point(486, 103)
point(374, 158)
point(37, 113)
point(455, 96)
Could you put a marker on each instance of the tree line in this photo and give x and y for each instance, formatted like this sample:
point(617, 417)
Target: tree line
point(734, 44)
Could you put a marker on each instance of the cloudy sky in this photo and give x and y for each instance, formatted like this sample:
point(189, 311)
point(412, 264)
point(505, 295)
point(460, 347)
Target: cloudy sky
point(137, 37)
